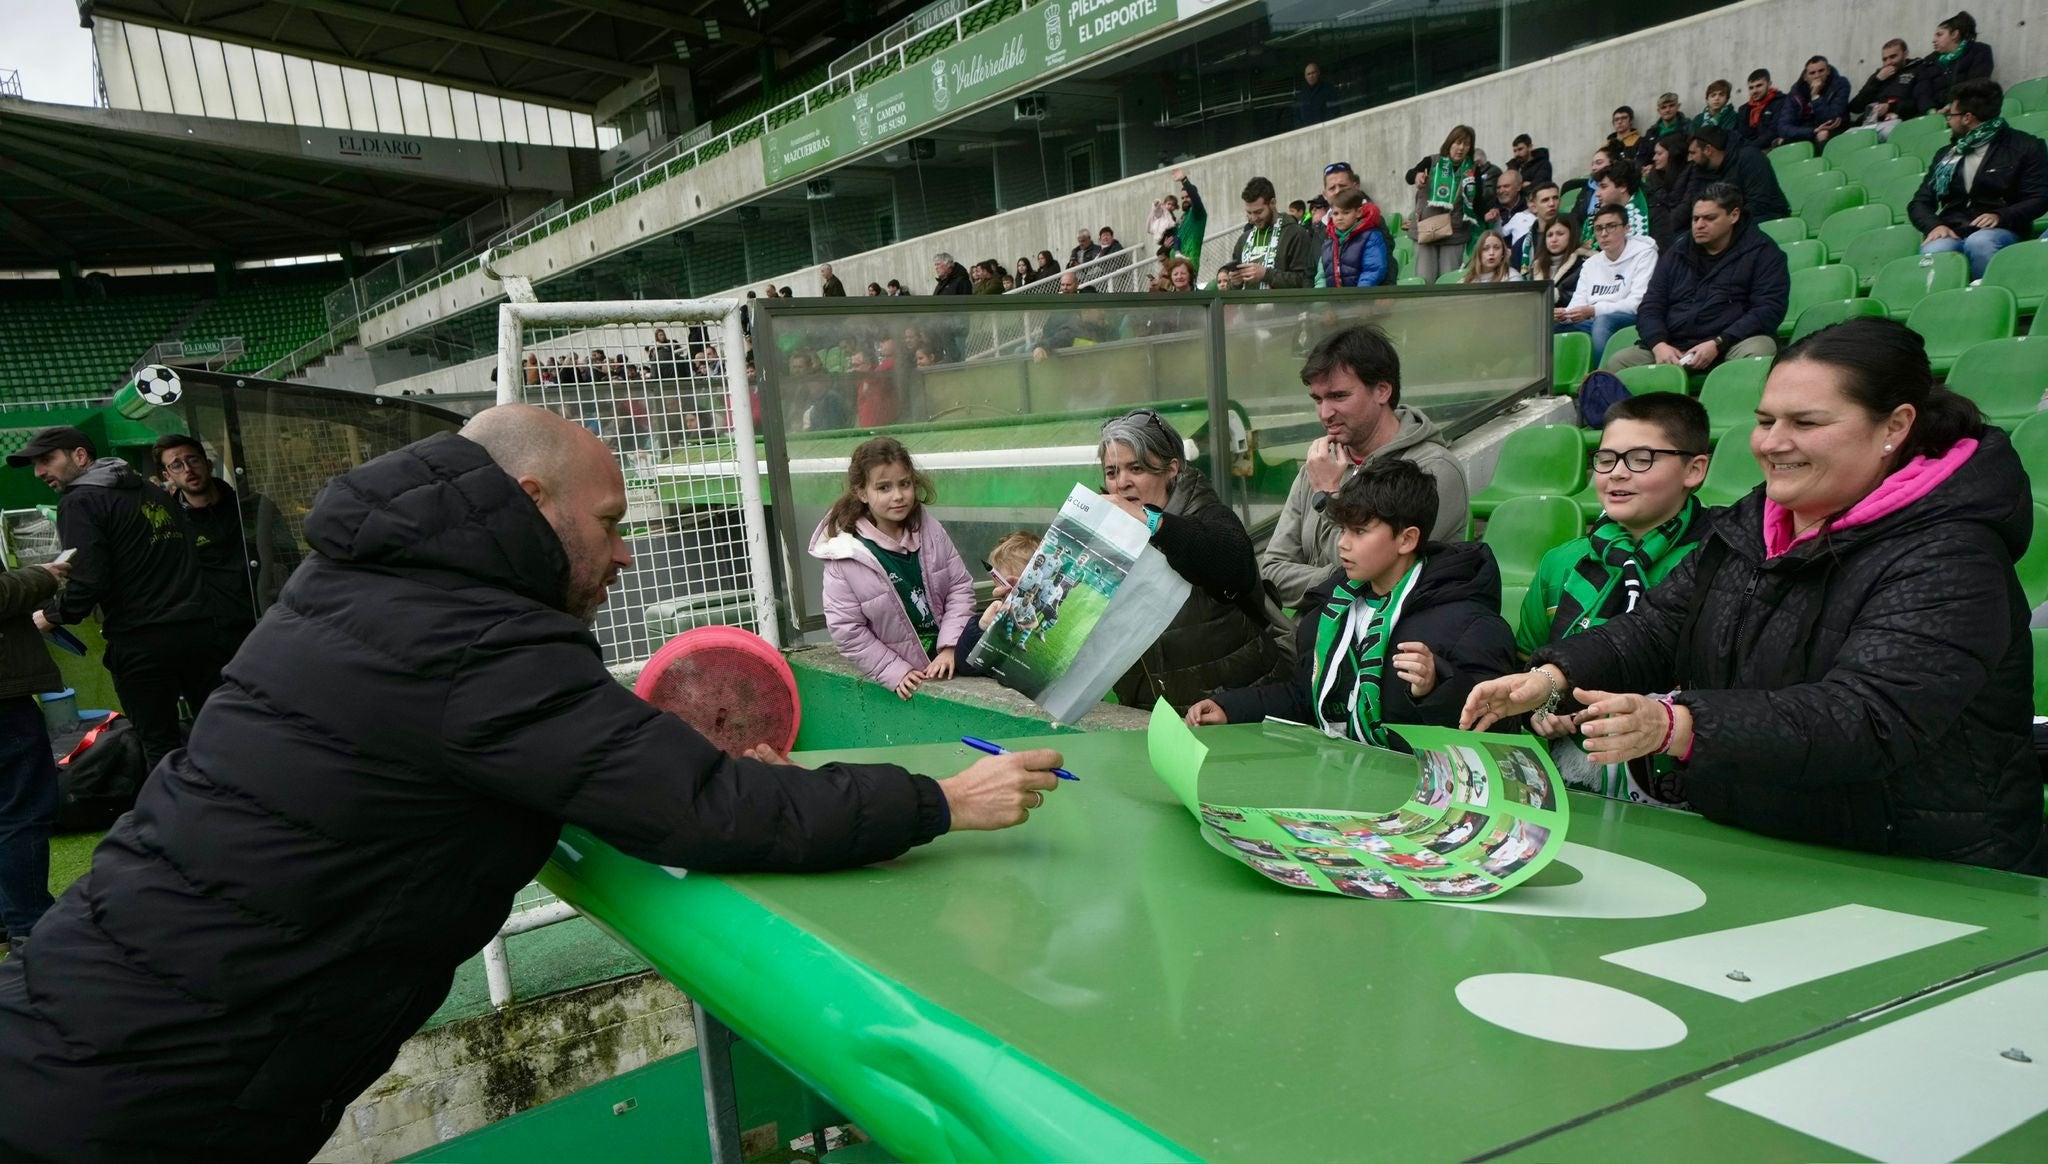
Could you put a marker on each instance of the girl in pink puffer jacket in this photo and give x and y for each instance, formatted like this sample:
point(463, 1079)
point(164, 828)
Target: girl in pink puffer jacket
point(897, 595)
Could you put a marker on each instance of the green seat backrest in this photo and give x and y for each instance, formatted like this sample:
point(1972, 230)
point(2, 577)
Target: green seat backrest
point(1895, 191)
point(1816, 285)
point(1832, 312)
point(1799, 187)
point(2006, 377)
point(1903, 283)
point(1818, 204)
point(1541, 458)
point(1783, 230)
point(2033, 571)
point(1870, 251)
point(1922, 137)
point(1523, 529)
point(1845, 226)
point(2030, 442)
point(1789, 153)
point(1568, 202)
point(1619, 342)
point(1452, 276)
point(1807, 252)
point(1857, 163)
point(1410, 281)
point(1644, 379)
point(1571, 357)
point(2022, 269)
point(1732, 392)
point(1799, 172)
point(1842, 145)
point(1733, 472)
point(2032, 122)
point(2032, 94)
point(2040, 635)
point(1954, 321)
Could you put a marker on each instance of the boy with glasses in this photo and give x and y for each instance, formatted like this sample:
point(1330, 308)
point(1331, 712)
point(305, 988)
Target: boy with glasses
point(1651, 459)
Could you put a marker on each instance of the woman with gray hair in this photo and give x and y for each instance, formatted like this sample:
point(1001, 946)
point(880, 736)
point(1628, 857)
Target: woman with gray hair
point(1228, 633)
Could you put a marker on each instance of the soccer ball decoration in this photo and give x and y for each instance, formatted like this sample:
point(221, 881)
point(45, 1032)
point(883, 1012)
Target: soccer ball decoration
point(159, 385)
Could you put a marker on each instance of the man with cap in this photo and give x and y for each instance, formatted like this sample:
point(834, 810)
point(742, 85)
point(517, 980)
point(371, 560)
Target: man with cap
point(135, 563)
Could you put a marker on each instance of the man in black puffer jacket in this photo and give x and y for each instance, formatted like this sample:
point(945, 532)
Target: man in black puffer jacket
point(390, 758)
point(1716, 296)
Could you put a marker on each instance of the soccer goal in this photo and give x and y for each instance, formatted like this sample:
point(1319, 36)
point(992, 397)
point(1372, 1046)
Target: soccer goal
point(664, 383)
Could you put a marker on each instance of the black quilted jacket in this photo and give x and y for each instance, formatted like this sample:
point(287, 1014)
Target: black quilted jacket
point(390, 758)
point(1871, 689)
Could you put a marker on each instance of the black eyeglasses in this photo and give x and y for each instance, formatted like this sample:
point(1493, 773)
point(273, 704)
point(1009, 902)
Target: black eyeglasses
point(1638, 460)
point(1338, 168)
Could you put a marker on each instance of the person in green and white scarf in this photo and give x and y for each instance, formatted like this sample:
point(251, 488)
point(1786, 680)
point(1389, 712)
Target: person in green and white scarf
point(1446, 182)
point(1652, 457)
point(1398, 635)
point(1987, 187)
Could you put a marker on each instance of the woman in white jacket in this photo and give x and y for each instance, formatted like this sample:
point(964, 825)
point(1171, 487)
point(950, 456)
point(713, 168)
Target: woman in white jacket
point(1612, 285)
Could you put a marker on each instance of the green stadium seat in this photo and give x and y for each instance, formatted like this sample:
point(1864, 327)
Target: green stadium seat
point(1733, 472)
point(2032, 95)
point(1842, 145)
point(1790, 153)
point(2038, 327)
point(1856, 163)
point(2006, 377)
point(1870, 251)
point(2033, 571)
point(1819, 204)
point(1644, 379)
point(1798, 187)
point(2022, 269)
point(1410, 281)
point(1845, 226)
point(1732, 392)
point(1571, 357)
point(1816, 285)
point(1452, 276)
point(1784, 230)
point(1541, 458)
point(1922, 137)
point(1568, 201)
point(2030, 442)
point(2040, 636)
point(1903, 283)
point(1952, 322)
point(1796, 172)
point(1807, 252)
point(2032, 122)
point(1524, 529)
point(1832, 312)
point(1620, 341)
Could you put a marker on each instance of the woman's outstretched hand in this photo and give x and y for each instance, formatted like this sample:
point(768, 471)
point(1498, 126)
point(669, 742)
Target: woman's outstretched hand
point(1497, 699)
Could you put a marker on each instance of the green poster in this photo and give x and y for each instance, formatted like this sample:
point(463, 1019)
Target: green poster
point(1012, 52)
point(1488, 812)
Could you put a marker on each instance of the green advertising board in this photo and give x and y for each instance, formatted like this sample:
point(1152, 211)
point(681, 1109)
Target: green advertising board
point(1011, 52)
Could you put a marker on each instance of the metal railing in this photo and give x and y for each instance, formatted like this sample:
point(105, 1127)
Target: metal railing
point(10, 83)
point(209, 353)
point(1126, 270)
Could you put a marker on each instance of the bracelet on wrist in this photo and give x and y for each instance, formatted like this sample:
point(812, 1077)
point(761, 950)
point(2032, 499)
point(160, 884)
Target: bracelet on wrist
point(1670, 724)
point(1556, 693)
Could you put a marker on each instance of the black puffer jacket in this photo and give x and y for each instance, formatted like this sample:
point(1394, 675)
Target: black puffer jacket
point(1455, 609)
point(1870, 690)
point(390, 758)
point(1226, 634)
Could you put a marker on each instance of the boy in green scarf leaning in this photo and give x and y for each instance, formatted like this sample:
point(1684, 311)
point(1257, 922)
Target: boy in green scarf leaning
point(1400, 634)
point(1652, 456)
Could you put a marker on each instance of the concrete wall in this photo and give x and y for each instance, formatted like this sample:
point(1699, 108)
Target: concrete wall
point(1563, 102)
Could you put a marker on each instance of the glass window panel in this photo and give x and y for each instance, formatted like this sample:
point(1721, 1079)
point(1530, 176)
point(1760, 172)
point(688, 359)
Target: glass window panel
point(242, 82)
point(362, 105)
point(412, 102)
point(180, 74)
point(465, 107)
point(384, 93)
point(277, 90)
point(582, 125)
point(117, 67)
point(536, 124)
point(305, 92)
point(153, 86)
point(490, 119)
point(211, 69)
point(333, 100)
point(440, 117)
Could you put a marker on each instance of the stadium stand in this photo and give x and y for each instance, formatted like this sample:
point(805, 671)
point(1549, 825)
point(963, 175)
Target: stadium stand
point(57, 349)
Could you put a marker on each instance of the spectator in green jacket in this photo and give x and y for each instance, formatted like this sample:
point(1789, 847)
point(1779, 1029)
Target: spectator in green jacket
point(1652, 456)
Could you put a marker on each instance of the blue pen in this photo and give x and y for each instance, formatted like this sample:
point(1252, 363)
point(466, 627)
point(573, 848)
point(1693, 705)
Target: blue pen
point(981, 745)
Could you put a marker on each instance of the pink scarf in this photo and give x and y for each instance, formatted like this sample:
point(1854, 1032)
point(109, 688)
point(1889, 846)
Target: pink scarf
point(1909, 483)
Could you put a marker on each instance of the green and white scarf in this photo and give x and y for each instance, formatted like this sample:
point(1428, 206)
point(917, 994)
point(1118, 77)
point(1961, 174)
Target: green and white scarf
point(1949, 57)
point(1611, 579)
point(1971, 142)
point(1353, 639)
point(1447, 185)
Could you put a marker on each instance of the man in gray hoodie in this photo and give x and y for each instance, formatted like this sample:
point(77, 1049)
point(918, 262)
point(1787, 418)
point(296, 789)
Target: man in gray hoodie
point(1354, 378)
point(135, 563)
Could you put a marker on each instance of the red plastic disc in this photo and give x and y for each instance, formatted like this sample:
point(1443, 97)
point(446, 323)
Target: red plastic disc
point(729, 684)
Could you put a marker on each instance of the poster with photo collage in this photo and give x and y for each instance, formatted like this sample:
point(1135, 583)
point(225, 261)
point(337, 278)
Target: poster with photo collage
point(1488, 812)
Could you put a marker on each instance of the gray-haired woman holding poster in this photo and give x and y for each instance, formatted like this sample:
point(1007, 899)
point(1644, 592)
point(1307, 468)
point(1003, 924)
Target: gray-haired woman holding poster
point(1227, 634)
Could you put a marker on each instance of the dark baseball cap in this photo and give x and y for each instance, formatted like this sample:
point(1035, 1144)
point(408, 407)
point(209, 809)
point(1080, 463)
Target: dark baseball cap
point(63, 436)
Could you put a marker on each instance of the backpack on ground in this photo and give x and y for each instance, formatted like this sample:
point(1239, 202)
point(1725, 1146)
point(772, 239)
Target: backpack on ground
point(1598, 392)
point(99, 780)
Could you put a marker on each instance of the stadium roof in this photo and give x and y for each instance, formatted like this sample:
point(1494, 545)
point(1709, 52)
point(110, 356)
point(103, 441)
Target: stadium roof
point(560, 52)
point(103, 186)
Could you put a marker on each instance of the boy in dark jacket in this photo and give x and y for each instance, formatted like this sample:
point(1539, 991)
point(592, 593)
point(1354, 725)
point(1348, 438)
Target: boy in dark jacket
point(1718, 295)
point(1985, 188)
point(1355, 248)
point(28, 777)
point(1400, 635)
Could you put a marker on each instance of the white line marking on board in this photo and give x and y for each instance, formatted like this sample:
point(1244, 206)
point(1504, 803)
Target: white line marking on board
point(1571, 1011)
point(1749, 962)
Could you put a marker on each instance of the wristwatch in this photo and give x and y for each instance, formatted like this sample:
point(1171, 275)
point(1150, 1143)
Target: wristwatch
point(1318, 499)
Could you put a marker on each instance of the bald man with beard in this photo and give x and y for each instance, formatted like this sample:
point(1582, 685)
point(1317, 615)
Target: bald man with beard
point(390, 758)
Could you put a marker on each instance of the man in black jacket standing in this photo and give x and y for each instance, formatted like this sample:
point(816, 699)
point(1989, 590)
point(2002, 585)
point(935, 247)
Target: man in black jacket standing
point(1719, 295)
point(1985, 188)
point(391, 757)
point(135, 563)
point(244, 547)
